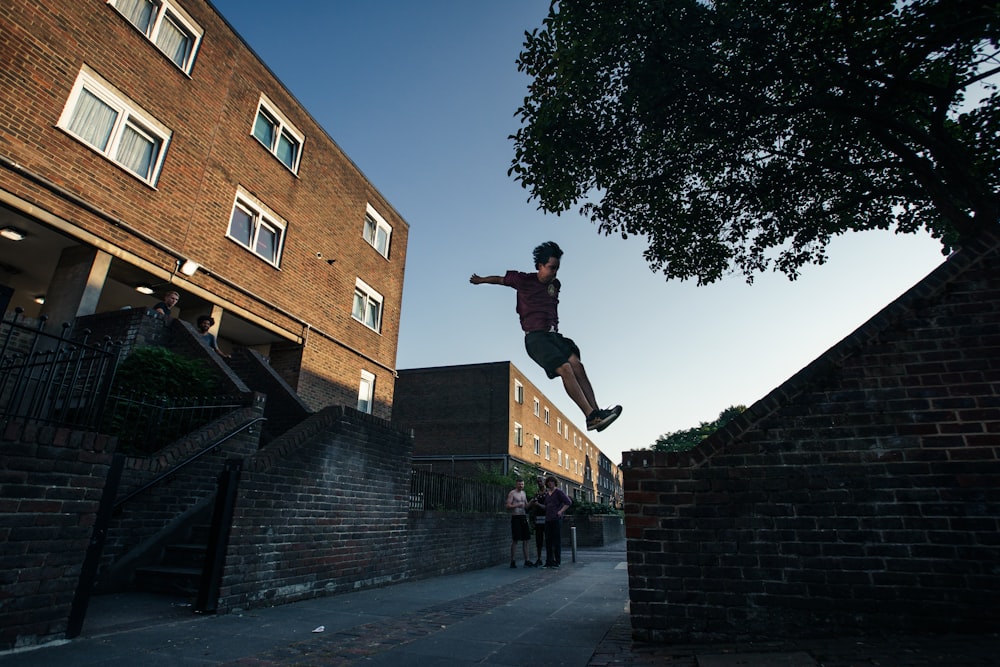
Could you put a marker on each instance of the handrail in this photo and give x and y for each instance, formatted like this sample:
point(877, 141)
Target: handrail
point(191, 459)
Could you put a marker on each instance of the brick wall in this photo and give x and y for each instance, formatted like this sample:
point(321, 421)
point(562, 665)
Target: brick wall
point(325, 509)
point(50, 488)
point(862, 496)
point(321, 510)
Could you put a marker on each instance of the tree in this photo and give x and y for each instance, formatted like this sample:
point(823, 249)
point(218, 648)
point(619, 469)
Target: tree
point(742, 136)
point(681, 441)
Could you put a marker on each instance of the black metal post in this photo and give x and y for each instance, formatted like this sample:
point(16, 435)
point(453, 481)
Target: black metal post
point(218, 538)
point(88, 573)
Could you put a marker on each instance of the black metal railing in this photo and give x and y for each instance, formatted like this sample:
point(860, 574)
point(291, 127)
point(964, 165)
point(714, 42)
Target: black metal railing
point(53, 378)
point(434, 491)
point(147, 424)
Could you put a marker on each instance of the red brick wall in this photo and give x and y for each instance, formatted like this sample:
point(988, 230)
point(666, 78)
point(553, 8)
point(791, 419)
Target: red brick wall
point(50, 489)
point(862, 496)
point(211, 153)
point(318, 505)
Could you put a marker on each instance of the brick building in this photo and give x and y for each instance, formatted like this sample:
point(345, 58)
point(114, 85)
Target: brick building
point(464, 417)
point(144, 146)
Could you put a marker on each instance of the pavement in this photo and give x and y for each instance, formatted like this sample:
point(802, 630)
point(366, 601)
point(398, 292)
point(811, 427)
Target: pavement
point(576, 615)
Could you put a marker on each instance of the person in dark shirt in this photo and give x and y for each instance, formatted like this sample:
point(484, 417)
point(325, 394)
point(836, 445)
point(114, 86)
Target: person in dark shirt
point(164, 307)
point(205, 324)
point(538, 308)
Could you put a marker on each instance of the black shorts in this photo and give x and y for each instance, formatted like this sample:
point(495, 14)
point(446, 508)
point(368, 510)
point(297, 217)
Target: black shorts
point(550, 350)
point(519, 531)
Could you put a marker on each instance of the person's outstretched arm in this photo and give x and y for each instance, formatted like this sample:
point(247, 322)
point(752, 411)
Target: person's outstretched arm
point(490, 280)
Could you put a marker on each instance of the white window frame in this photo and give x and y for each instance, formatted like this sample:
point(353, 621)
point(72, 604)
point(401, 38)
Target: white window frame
point(261, 218)
point(366, 295)
point(366, 392)
point(559, 425)
point(166, 10)
point(518, 434)
point(128, 115)
point(538, 446)
point(518, 392)
point(282, 127)
point(548, 451)
point(546, 416)
point(537, 407)
point(375, 223)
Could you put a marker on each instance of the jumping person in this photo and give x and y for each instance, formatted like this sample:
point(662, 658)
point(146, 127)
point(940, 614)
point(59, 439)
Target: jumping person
point(537, 305)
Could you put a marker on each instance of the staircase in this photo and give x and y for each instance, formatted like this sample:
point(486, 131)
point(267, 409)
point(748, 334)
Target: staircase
point(178, 570)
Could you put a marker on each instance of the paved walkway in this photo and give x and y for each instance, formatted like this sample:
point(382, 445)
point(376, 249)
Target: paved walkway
point(574, 616)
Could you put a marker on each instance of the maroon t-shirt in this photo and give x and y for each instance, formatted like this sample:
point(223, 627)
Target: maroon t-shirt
point(537, 303)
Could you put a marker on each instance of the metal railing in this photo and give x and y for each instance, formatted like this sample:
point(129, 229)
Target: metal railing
point(53, 378)
point(434, 491)
point(147, 424)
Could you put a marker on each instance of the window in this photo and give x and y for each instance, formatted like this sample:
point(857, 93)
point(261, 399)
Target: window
point(538, 446)
point(277, 134)
point(518, 392)
point(256, 228)
point(548, 452)
point(166, 25)
point(546, 415)
point(367, 306)
point(558, 425)
point(366, 392)
point(537, 405)
point(109, 122)
point(377, 231)
point(518, 434)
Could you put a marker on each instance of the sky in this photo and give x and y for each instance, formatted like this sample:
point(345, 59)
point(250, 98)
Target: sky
point(422, 98)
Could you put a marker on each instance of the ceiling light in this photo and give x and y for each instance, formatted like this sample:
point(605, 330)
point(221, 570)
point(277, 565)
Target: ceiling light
point(143, 288)
point(40, 299)
point(13, 233)
point(188, 268)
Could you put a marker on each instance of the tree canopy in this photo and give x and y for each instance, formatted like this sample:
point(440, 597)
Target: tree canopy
point(681, 441)
point(741, 137)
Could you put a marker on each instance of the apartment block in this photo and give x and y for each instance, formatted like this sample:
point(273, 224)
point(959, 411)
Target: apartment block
point(466, 417)
point(145, 148)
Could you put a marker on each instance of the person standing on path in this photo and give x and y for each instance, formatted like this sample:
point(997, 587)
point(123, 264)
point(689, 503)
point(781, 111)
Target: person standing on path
point(517, 503)
point(538, 308)
point(556, 504)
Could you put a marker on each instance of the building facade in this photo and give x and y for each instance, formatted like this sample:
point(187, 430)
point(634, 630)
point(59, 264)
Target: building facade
point(490, 415)
point(144, 146)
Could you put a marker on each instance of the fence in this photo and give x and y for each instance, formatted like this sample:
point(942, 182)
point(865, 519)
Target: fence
point(145, 424)
point(434, 491)
point(53, 378)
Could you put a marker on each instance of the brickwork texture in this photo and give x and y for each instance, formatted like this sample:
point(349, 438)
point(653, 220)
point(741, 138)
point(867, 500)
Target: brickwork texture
point(862, 496)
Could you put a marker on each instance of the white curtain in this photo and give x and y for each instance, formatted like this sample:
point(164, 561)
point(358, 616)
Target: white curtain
point(93, 120)
point(139, 12)
point(136, 151)
point(173, 41)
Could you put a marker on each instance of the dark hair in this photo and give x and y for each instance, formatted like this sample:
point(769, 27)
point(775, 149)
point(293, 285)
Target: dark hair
point(553, 479)
point(202, 318)
point(542, 253)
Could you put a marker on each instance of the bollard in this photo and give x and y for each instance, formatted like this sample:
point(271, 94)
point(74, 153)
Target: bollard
point(572, 533)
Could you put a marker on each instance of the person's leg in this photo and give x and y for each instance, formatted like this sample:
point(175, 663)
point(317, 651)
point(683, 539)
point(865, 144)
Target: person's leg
point(574, 389)
point(539, 541)
point(580, 373)
point(557, 544)
point(549, 556)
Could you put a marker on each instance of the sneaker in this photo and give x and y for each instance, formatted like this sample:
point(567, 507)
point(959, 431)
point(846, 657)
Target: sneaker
point(538, 563)
point(513, 565)
point(601, 419)
point(528, 563)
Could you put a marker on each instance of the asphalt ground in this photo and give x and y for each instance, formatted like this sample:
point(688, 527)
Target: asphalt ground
point(576, 615)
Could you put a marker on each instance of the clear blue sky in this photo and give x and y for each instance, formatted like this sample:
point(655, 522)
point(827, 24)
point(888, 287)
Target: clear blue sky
point(421, 96)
